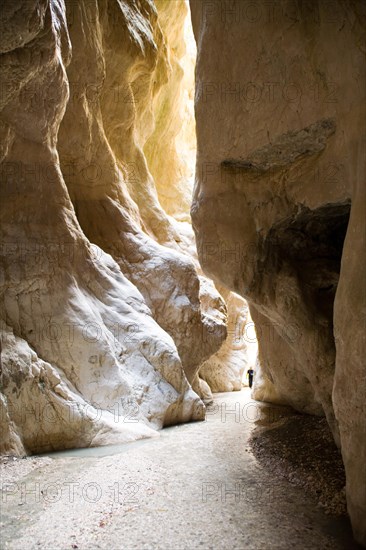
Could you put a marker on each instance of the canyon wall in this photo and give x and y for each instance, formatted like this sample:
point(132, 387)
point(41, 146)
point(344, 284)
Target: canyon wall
point(280, 186)
point(102, 329)
point(224, 371)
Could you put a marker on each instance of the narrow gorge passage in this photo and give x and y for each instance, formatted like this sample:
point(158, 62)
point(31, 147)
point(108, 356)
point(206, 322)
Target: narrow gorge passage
point(196, 486)
point(182, 210)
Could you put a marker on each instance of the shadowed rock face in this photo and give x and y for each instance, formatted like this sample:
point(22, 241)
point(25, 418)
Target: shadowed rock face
point(100, 342)
point(279, 209)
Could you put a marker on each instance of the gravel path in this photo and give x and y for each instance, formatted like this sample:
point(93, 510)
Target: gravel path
point(198, 486)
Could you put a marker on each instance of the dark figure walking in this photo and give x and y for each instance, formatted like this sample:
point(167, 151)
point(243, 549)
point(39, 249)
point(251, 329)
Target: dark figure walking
point(250, 374)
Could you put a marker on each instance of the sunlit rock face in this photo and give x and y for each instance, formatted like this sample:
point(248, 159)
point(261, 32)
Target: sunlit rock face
point(102, 330)
point(173, 110)
point(279, 201)
point(224, 370)
point(119, 63)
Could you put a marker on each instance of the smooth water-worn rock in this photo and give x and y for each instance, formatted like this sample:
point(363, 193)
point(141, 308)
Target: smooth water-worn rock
point(102, 327)
point(278, 205)
point(224, 370)
point(108, 148)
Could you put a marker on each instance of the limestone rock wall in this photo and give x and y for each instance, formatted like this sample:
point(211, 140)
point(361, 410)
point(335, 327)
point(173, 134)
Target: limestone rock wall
point(115, 121)
point(224, 370)
point(280, 179)
point(172, 106)
point(102, 328)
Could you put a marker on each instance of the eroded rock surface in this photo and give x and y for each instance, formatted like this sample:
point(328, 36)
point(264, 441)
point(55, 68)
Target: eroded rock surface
point(102, 327)
point(280, 195)
point(224, 370)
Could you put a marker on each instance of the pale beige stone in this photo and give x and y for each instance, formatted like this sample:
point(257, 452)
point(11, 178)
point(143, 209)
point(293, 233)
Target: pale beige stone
point(280, 117)
point(77, 332)
point(170, 150)
point(104, 165)
point(224, 370)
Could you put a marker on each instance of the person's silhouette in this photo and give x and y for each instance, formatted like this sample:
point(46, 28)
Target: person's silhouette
point(250, 374)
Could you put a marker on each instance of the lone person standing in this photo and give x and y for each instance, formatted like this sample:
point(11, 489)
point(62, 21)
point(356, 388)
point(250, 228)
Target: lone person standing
point(250, 374)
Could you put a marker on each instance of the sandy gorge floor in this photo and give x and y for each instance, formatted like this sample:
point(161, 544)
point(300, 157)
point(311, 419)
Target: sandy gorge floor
point(197, 486)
